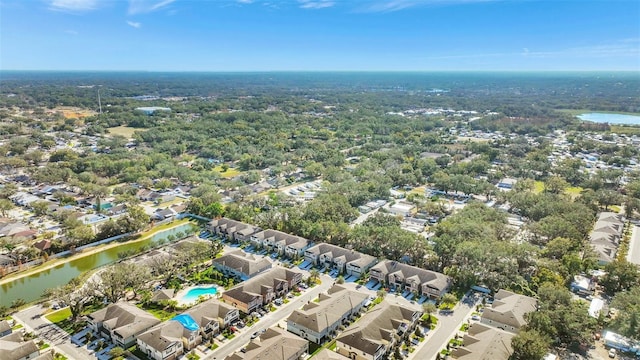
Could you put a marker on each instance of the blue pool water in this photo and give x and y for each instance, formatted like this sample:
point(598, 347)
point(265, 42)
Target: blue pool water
point(611, 118)
point(192, 295)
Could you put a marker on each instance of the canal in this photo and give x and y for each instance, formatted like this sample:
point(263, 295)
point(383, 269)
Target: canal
point(31, 287)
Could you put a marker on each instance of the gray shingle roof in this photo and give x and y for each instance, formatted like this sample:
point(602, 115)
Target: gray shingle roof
point(124, 319)
point(274, 344)
point(485, 343)
point(318, 316)
point(376, 328)
point(247, 264)
point(510, 308)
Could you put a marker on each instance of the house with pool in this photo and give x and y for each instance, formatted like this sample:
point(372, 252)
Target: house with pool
point(235, 231)
point(121, 323)
point(262, 289)
point(211, 316)
point(165, 341)
point(241, 265)
point(285, 244)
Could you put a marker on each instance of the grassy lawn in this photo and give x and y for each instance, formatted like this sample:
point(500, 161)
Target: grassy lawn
point(231, 172)
point(125, 131)
point(162, 314)
point(58, 316)
point(626, 130)
point(571, 190)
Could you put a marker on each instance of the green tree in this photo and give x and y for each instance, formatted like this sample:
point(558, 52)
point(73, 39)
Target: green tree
point(627, 320)
point(5, 206)
point(117, 352)
point(529, 345)
point(621, 275)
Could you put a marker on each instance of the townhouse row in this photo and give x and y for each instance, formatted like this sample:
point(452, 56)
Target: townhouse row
point(350, 263)
point(125, 325)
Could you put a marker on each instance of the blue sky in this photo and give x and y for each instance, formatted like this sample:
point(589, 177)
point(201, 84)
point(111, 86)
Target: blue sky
point(257, 35)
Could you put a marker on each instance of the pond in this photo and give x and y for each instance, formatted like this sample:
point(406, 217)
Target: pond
point(611, 118)
point(31, 287)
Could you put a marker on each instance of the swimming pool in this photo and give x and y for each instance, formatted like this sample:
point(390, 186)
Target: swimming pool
point(192, 295)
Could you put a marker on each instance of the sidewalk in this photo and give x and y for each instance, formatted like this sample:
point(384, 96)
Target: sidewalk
point(448, 326)
point(49, 332)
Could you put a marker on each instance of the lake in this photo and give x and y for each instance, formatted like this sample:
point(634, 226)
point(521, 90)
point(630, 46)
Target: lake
point(611, 118)
point(31, 287)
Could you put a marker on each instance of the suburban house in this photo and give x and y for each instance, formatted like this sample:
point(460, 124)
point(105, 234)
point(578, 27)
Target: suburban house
point(326, 354)
point(318, 321)
point(349, 262)
point(262, 289)
point(507, 184)
point(211, 316)
point(14, 347)
point(241, 265)
point(605, 236)
point(508, 310)
point(165, 341)
point(273, 344)
point(484, 342)
point(583, 285)
point(410, 278)
point(374, 335)
point(5, 328)
point(233, 230)
point(121, 323)
point(284, 244)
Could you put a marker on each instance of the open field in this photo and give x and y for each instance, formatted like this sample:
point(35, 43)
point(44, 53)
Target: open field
point(625, 129)
point(125, 131)
point(231, 172)
point(58, 316)
point(574, 191)
point(71, 112)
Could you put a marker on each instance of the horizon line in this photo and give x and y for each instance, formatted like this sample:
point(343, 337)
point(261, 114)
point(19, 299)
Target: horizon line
point(320, 71)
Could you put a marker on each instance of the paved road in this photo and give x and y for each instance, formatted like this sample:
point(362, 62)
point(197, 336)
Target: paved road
point(448, 326)
point(634, 246)
point(271, 319)
point(58, 339)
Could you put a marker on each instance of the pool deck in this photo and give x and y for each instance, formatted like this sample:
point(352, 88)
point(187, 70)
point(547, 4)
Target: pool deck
point(180, 294)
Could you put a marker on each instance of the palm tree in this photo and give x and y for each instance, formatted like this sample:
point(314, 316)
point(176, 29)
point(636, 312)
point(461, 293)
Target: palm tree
point(314, 274)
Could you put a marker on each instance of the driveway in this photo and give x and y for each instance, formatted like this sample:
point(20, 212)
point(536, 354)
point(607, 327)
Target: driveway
point(634, 246)
point(59, 340)
point(448, 326)
point(244, 335)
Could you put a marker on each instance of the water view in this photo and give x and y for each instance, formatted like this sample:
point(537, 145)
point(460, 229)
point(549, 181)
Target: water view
point(194, 293)
point(611, 118)
point(30, 287)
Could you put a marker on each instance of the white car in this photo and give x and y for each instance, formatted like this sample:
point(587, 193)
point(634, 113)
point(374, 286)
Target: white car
point(612, 353)
point(475, 318)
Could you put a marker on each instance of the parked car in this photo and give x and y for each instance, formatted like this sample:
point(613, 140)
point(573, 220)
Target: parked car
point(254, 335)
point(612, 353)
point(475, 317)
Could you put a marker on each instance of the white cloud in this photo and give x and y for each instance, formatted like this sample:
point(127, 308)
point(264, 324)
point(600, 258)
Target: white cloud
point(245, 1)
point(71, 32)
point(136, 25)
point(147, 6)
point(73, 5)
point(396, 5)
point(317, 4)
